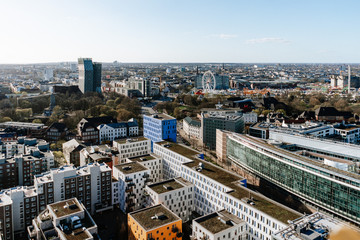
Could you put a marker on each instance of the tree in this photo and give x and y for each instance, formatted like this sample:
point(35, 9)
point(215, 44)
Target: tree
point(124, 115)
point(282, 111)
point(37, 121)
point(21, 114)
point(6, 119)
point(57, 114)
point(110, 103)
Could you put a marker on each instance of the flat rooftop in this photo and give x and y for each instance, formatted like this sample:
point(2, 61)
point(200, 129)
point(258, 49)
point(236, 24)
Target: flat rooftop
point(131, 167)
point(130, 140)
point(218, 221)
point(319, 224)
point(168, 185)
point(299, 158)
point(66, 207)
point(161, 116)
point(143, 158)
point(231, 180)
point(180, 149)
point(145, 217)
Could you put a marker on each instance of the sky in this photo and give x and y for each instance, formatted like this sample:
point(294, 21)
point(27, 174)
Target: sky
point(239, 31)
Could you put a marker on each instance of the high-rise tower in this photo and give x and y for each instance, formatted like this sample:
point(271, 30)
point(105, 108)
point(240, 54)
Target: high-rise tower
point(89, 75)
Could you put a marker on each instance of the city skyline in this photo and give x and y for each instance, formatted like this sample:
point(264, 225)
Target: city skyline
point(163, 31)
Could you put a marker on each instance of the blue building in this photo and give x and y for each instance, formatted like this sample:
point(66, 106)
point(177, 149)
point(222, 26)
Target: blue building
point(159, 127)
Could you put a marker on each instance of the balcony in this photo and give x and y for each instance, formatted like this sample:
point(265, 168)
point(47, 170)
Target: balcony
point(128, 179)
point(131, 184)
point(175, 229)
point(146, 175)
point(148, 180)
point(128, 190)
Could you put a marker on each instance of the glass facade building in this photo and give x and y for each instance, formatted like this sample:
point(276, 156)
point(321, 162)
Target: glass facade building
point(211, 123)
point(89, 75)
point(331, 189)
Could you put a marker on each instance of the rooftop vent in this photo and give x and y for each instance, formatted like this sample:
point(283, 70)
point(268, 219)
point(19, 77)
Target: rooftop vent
point(73, 206)
point(168, 187)
point(160, 216)
point(225, 220)
point(200, 167)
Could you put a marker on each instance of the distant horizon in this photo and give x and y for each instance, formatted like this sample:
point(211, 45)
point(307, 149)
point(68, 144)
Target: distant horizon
point(112, 62)
point(161, 31)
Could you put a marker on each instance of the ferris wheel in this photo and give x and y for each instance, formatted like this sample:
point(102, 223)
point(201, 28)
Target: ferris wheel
point(208, 82)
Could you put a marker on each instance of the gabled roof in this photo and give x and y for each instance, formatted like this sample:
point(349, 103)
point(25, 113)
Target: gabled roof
point(61, 127)
point(192, 122)
point(96, 121)
point(326, 111)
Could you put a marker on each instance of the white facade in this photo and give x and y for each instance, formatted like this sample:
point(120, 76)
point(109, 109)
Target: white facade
point(110, 133)
point(250, 117)
point(176, 194)
point(115, 192)
point(153, 163)
point(222, 225)
point(192, 131)
point(92, 180)
point(132, 179)
point(350, 134)
point(211, 195)
point(132, 148)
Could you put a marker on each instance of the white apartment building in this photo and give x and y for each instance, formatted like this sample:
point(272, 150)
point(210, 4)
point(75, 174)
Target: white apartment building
point(115, 191)
point(132, 179)
point(192, 128)
point(176, 194)
point(250, 117)
point(6, 226)
point(112, 131)
point(63, 220)
point(153, 163)
point(91, 184)
point(217, 189)
point(219, 225)
point(349, 133)
point(132, 147)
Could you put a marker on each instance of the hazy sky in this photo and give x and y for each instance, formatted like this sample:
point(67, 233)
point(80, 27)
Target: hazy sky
point(180, 31)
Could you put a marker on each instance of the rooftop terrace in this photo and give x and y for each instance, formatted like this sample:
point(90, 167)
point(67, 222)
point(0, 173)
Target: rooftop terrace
point(129, 140)
point(167, 186)
point(142, 158)
point(131, 167)
point(145, 217)
point(161, 116)
point(231, 180)
point(213, 223)
point(180, 149)
point(65, 208)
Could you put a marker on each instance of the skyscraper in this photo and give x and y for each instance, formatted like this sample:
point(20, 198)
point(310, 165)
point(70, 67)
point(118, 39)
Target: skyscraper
point(89, 75)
